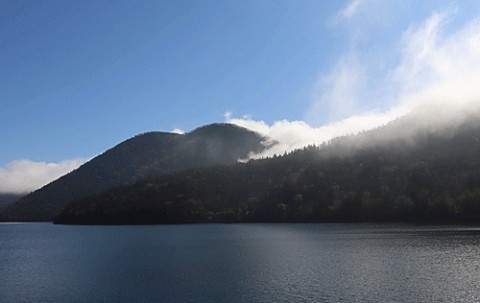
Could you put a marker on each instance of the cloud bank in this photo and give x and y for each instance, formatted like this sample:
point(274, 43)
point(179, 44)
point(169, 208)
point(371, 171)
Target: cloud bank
point(24, 176)
point(436, 79)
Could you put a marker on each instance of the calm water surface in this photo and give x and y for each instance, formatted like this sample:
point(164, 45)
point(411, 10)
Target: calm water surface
point(239, 263)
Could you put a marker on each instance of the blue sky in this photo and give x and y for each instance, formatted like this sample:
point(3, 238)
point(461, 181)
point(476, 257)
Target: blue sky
point(77, 77)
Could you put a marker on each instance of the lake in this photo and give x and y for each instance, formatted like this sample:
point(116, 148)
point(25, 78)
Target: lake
point(42, 262)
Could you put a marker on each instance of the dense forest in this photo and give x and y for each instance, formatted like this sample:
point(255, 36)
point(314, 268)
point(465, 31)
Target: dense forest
point(6, 199)
point(430, 176)
point(146, 155)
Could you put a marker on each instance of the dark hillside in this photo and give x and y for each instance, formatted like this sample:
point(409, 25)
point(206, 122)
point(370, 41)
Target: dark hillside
point(140, 157)
point(6, 199)
point(429, 177)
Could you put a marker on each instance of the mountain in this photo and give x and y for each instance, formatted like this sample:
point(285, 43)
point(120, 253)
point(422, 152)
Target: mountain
point(143, 156)
point(428, 176)
point(6, 199)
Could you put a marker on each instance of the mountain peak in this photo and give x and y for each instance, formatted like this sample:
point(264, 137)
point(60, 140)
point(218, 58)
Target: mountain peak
point(145, 155)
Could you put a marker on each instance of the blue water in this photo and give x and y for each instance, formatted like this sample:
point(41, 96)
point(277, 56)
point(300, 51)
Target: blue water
point(239, 263)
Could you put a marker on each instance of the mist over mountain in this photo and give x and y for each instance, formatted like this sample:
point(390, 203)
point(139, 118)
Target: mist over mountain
point(412, 130)
point(437, 116)
point(140, 157)
point(387, 174)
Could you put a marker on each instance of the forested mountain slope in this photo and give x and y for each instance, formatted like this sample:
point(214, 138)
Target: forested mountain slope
point(427, 176)
point(6, 199)
point(143, 156)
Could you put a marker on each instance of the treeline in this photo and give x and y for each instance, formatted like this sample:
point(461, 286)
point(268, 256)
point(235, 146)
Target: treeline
point(427, 178)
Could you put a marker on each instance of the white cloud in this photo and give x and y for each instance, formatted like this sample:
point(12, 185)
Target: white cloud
point(178, 131)
point(339, 91)
point(439, 70)
point(437, 78)
point(418, 54)
point(23, 176)
point(293, 135)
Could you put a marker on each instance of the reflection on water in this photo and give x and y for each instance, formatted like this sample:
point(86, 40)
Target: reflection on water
point(239, 263)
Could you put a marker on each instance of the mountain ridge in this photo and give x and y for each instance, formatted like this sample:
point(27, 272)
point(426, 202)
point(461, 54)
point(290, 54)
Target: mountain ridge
point(432, 178)
point(136, 158)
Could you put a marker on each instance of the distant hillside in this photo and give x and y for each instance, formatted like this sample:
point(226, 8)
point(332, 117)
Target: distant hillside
point(429, 176)
point(6, 199)
point(143, 156)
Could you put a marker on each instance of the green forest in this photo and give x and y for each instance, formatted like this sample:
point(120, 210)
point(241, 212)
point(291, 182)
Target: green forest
point(429, 177)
